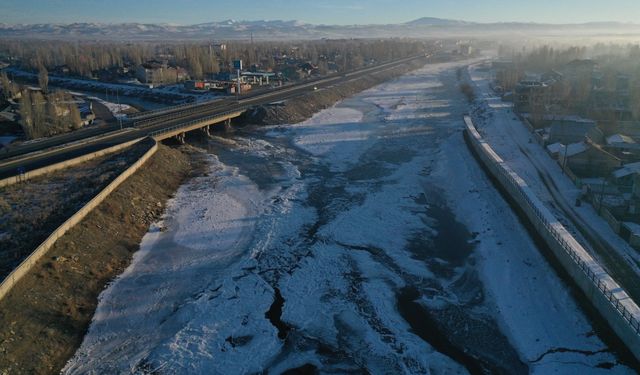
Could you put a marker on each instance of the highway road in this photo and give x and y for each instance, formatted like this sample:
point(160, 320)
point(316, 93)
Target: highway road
point(56, 149)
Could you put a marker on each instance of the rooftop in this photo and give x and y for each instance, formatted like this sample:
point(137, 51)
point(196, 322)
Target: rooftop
point(627, 170)
point(620, 138)
point(576, 148)
point(634, 228)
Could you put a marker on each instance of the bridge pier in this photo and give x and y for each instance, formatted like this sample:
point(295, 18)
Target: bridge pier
point(206, 130)
point(180, 138)
point(227, 125)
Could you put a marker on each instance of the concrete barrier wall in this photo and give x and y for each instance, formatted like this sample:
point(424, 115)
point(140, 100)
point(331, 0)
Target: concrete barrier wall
point(10, 281)
point(65, 164)
point(620, 312)
point(611, 220)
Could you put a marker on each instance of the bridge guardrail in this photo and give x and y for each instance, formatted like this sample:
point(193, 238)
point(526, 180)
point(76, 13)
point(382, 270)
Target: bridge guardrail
point(193, 122)
point(167, 109)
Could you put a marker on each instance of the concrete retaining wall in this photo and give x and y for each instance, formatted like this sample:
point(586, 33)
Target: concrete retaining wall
point(13, 278)
point(611, 220)
point(65, 164)
point(620, 312)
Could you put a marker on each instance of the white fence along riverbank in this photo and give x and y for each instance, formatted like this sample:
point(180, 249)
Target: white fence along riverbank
point(614, 304)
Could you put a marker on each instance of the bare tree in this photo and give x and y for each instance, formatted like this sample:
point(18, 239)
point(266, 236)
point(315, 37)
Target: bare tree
point(39, 114)
point(43, 78)
point(74, 114)
point(26, 115)
point(7, 86)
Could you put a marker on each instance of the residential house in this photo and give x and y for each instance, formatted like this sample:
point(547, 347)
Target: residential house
point(219, 47)
point(577, 69)
point(308, 68)
point(86, 112)
point(200, 85)
point(587, 159)
point(625, 178)
point(556, 149)
point(628, 128)
point(571, 129)
point(624, 147)
point(465, 49)
point(232, 89)
point(195, 85)
point(160, 73)
point(531, 95)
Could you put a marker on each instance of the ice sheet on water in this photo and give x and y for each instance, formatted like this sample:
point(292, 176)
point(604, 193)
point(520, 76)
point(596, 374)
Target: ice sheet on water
point(338, 284)
point(532, 305)
point(172, 281)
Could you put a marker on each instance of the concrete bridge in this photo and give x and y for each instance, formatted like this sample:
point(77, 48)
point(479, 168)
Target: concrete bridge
point(204, 124)
point(47, 155)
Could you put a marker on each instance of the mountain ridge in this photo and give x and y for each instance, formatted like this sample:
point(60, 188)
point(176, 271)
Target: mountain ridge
point(293, 29)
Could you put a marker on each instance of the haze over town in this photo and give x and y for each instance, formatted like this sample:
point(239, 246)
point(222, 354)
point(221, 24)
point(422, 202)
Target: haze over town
point(311, 187)
point(330, 12)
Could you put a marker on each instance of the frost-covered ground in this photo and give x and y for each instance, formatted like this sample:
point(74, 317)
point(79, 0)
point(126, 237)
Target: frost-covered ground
point(364, 238)
point(6, 140)
point(115, 108)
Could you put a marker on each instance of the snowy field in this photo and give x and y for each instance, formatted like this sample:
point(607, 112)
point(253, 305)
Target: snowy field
point(364, 238)
point(115, 108)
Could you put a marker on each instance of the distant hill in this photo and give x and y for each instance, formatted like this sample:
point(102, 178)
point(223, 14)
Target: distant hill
point(278, 29)
point(430, 21)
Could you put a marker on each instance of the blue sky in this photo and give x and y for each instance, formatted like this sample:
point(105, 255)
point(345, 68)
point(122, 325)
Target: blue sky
point(316, 11)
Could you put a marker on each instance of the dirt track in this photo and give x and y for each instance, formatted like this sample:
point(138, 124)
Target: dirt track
point(44, 318)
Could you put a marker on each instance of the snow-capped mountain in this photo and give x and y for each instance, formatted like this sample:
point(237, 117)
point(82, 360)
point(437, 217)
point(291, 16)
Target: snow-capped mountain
point(279, 29)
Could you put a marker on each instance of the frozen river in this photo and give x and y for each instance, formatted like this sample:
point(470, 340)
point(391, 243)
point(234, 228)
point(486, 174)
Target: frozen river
point(364, 240)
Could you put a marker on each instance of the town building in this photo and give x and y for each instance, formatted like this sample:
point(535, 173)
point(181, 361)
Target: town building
point(219, 47)
point(625, 177)
point(201, 85)
point(531, 96)
point(160, 73)
point(623, 146)
point(465, 49)
point(571, 129)
point(258, 78)
point(587, 159)
point(87, 116)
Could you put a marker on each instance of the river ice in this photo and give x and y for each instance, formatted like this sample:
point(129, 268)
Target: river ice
point(366, 239)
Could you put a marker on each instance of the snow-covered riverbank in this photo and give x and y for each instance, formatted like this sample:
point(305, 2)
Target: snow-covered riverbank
point(366, 237)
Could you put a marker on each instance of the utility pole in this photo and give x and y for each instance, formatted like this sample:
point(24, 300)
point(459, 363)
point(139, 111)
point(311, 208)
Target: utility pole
point(604, 180)
point(238, 87)
point(119, 109)
point(238, 65)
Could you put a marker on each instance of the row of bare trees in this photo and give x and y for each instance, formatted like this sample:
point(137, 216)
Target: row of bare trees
point(607, 66)
point(46, 115)
point(9, 89)
point(200, 59)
